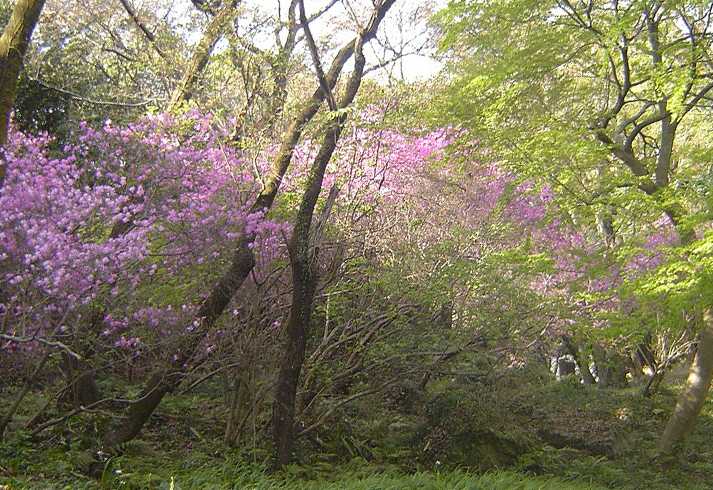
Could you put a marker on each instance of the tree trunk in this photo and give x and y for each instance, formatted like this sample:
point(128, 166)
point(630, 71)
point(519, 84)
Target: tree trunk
point(652, 383)
point(166, 380)
point(694, 393)
point(304, 283)
point(82, 388)
point(580, 359)
point(637, 368)
point(645, 355)
point(201, 54)
point(291, 364)
point(691, 400)
point(611, 368)
point(303, 256)
point(13, 45)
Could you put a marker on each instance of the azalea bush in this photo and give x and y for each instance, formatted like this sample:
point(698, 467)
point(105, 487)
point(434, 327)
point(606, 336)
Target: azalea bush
point(113, 234)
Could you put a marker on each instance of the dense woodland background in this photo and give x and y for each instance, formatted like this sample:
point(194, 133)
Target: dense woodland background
point(356, 244)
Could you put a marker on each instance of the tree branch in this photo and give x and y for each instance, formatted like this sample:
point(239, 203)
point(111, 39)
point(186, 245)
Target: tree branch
point(50, 343)
point(142, 27)
point(315, 58)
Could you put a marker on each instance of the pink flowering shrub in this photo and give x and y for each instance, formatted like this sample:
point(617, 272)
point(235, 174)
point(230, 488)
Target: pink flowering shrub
point(114, 238)
point(87, 230)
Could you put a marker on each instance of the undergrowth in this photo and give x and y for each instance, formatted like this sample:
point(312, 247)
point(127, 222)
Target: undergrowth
point(568, 436)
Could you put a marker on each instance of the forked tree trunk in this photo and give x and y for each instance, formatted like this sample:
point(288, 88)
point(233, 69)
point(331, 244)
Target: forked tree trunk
point(303, 255)
point(694, 394)
point(303, 259)
point(13, 45)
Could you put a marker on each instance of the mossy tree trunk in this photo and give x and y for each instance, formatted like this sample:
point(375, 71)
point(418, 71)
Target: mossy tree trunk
point(13, 45)
point(698, 383)
point(201, 55)
point(303, 253)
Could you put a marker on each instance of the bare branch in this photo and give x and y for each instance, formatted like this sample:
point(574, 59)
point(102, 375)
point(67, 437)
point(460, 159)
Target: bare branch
point(50, 343)
point(142, 27)
point(641, 126)
point(322, 11)
point(347, 400)
point(315, 58)
point(86, 100)
point(693, 102)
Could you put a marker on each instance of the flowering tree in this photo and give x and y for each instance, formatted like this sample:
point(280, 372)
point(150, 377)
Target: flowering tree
point(103, 244)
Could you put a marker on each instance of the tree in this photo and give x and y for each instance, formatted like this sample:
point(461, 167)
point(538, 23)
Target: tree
point(79, 279)
point(606, 110)
point(303, 253)
point(201, 54)
point(165, 380)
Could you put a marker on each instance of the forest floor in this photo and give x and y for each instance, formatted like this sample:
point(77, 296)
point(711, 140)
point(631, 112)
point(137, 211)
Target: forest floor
point(579, 438)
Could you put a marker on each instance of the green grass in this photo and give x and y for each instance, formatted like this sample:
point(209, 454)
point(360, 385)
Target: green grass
point(143, 466)
point(242, 478)
point(428, 481)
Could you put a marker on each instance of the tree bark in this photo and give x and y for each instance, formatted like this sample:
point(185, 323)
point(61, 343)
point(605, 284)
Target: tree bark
point(167, 379)
point(304, 283)
point(142, 27)
point(691, 400)
point(82, 389)
point(304, 279)
point(611, 367)
point(13, 45)
point(694, 394)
